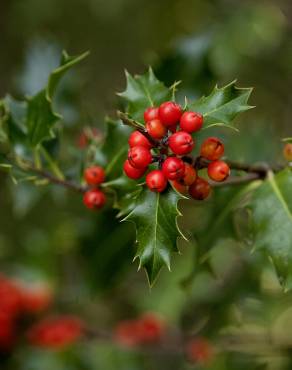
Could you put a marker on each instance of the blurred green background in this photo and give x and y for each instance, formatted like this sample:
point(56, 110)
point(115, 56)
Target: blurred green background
point(47, 234)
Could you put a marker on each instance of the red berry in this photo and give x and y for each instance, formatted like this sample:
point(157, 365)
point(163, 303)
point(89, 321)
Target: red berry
point(156, 129)
point(139, 157)
point(138, 139)
point(132, 172)
point(218, 170)
point(156, 181)
point(181, 143)
point(56, 332)
point(200, 189)
point(212, 149)
point(151, 113)
point(94, 175)
point(94, 199)
point(287, 152)
point(191, 122)
point(190, 175)
point(173, 168)
point(151, 328)
point(179, 187)
point(170, 113)
point(199, 350)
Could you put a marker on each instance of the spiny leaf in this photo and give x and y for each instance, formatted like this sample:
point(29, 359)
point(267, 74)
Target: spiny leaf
point(144, 91)
point(155, 218)
point(272, 222)
point(40, 115)
point(222, 105)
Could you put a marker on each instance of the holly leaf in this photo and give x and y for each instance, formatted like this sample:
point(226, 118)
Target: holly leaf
point(155, 217)
point(222, 105)
point(40, 117)
point(144, 91)
point(272, 223)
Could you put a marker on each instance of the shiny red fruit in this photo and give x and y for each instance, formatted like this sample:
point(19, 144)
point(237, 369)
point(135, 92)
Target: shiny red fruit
point(156, 181)
point(200, 189)
point(218, 170)
point(173, 168)
point(151, 113)
point(156, 129)
point(181, 143)
point(191, 122)
point(212, 149)
point(56, 332)
point(170, 113)
point(132, 172)
point(94, 175)
point(138, 139)
point(94, 199)
point(190, 175)
point(287, 151)
point(139, 157)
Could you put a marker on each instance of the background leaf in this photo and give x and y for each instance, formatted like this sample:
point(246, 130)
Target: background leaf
point(40, 115)
point(272, 222)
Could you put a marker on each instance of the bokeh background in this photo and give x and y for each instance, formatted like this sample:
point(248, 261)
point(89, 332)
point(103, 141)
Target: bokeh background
point(46, 233)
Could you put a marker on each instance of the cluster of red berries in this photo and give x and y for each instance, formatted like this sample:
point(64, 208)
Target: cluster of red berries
point(148, 328)
point(19, 300)
point(94, 198)
point(168, 128)
point(56, 332)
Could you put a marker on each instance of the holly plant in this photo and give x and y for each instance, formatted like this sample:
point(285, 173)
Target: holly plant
point(159, 153)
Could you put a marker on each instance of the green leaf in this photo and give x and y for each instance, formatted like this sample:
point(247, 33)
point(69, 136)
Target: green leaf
point(222, 105)
point(144, 91)
point(67, 62)
point(272, 222)
point(155, 217)
point(40, 115)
